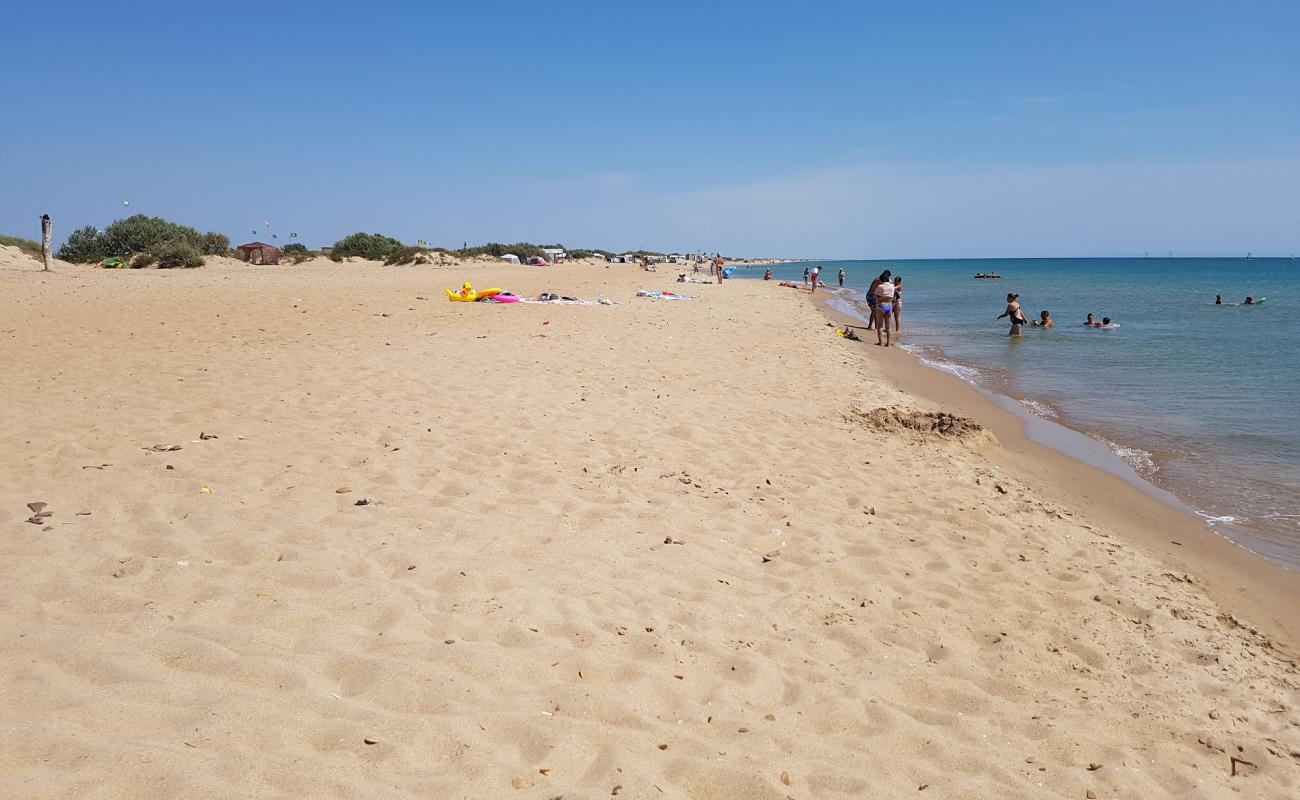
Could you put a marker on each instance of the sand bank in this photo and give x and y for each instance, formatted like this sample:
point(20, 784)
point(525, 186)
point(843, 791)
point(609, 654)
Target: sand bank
point(656, 549)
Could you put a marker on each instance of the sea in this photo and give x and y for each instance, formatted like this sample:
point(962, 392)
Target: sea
point(1196, 400)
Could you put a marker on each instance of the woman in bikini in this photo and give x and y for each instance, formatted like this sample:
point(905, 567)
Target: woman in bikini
point(898, 302)
point(1013, 311)
point(871, 298)
point(884, 308)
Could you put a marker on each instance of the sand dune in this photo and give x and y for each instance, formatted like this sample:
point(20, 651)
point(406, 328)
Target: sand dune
point(655, 549)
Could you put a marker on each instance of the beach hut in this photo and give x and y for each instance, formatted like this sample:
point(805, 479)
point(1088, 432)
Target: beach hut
point(554, 254)
point(510, 258)
point(259, 253)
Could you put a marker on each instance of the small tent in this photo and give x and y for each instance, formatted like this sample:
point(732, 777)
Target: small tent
point(259, 253)
point(510, 258)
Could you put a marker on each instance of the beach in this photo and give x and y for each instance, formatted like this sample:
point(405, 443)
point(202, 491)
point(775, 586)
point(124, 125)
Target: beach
point(318, 532)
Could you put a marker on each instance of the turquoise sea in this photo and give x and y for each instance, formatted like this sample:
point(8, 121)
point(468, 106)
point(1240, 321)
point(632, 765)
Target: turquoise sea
point(1201, 400)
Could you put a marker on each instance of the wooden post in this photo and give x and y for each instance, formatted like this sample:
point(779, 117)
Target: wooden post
point(46, 252)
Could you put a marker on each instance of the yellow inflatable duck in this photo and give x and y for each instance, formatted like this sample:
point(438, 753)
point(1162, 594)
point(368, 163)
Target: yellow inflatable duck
point(468, 295)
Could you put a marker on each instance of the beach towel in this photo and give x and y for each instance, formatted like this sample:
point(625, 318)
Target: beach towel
point(663, 295)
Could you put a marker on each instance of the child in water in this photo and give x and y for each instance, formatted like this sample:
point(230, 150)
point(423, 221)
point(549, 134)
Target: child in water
point(1044, 321)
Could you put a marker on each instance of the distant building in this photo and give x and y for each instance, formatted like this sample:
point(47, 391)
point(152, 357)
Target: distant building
point(259, 253)
point(554, 254)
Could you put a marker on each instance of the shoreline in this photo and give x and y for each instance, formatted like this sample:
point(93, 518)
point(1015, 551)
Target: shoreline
point(1170, 529)
point(1227, 481)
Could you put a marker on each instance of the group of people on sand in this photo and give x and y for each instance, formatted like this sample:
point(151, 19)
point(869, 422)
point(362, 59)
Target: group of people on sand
point(1018, 321)
point(885, 299)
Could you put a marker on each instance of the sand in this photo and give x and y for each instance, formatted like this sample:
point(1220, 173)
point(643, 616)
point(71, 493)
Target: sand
point(656, 549)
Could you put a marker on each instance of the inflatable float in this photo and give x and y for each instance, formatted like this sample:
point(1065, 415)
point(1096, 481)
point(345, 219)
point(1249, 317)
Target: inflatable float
point(468, 295)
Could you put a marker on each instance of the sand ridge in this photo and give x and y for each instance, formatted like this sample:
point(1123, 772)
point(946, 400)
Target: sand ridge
point(641, 550)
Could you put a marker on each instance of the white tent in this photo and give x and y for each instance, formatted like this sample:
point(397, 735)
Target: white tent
point(511, 258)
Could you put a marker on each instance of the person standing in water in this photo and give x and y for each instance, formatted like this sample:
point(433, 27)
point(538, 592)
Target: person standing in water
point(815, 274)
point(1013, 311)
point(1218, 299)
point(805, 276)
point(841, 277)
point(884, 309)
point(898, 302)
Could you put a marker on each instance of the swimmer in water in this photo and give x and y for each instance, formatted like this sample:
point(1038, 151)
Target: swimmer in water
point(1090, 322)
point(1105, 322)
point(1043, 321)
point(1218, 300)
point(1250, 301)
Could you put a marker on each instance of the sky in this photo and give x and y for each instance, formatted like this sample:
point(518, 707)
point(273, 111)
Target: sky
point(782, 129)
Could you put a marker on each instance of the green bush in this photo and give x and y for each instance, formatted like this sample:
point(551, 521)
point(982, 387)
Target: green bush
point(178, 254)
point(84, 246)
point(375, 246)
point(406, 255)
point(142, 260)
point(26, 245)
point(525, 250)
point(125, 238)
point(294, 247)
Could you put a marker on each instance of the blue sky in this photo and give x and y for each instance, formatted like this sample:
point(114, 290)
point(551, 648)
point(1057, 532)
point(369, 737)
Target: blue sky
point(828, 129)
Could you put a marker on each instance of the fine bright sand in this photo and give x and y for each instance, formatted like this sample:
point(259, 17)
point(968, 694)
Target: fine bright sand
point(651, 550)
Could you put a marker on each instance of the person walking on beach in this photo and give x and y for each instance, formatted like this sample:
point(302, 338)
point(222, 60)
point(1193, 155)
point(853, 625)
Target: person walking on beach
point(884, 309)
point(805, 276)
point(898, 302)
point(816, 273)
point(841, 277)
point(1013, 311)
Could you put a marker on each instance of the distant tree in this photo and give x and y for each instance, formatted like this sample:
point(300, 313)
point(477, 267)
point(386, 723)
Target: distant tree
point(137, 234)
point(375, 246)
point(525, 250)
point(294, 247)
point(83, 246)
